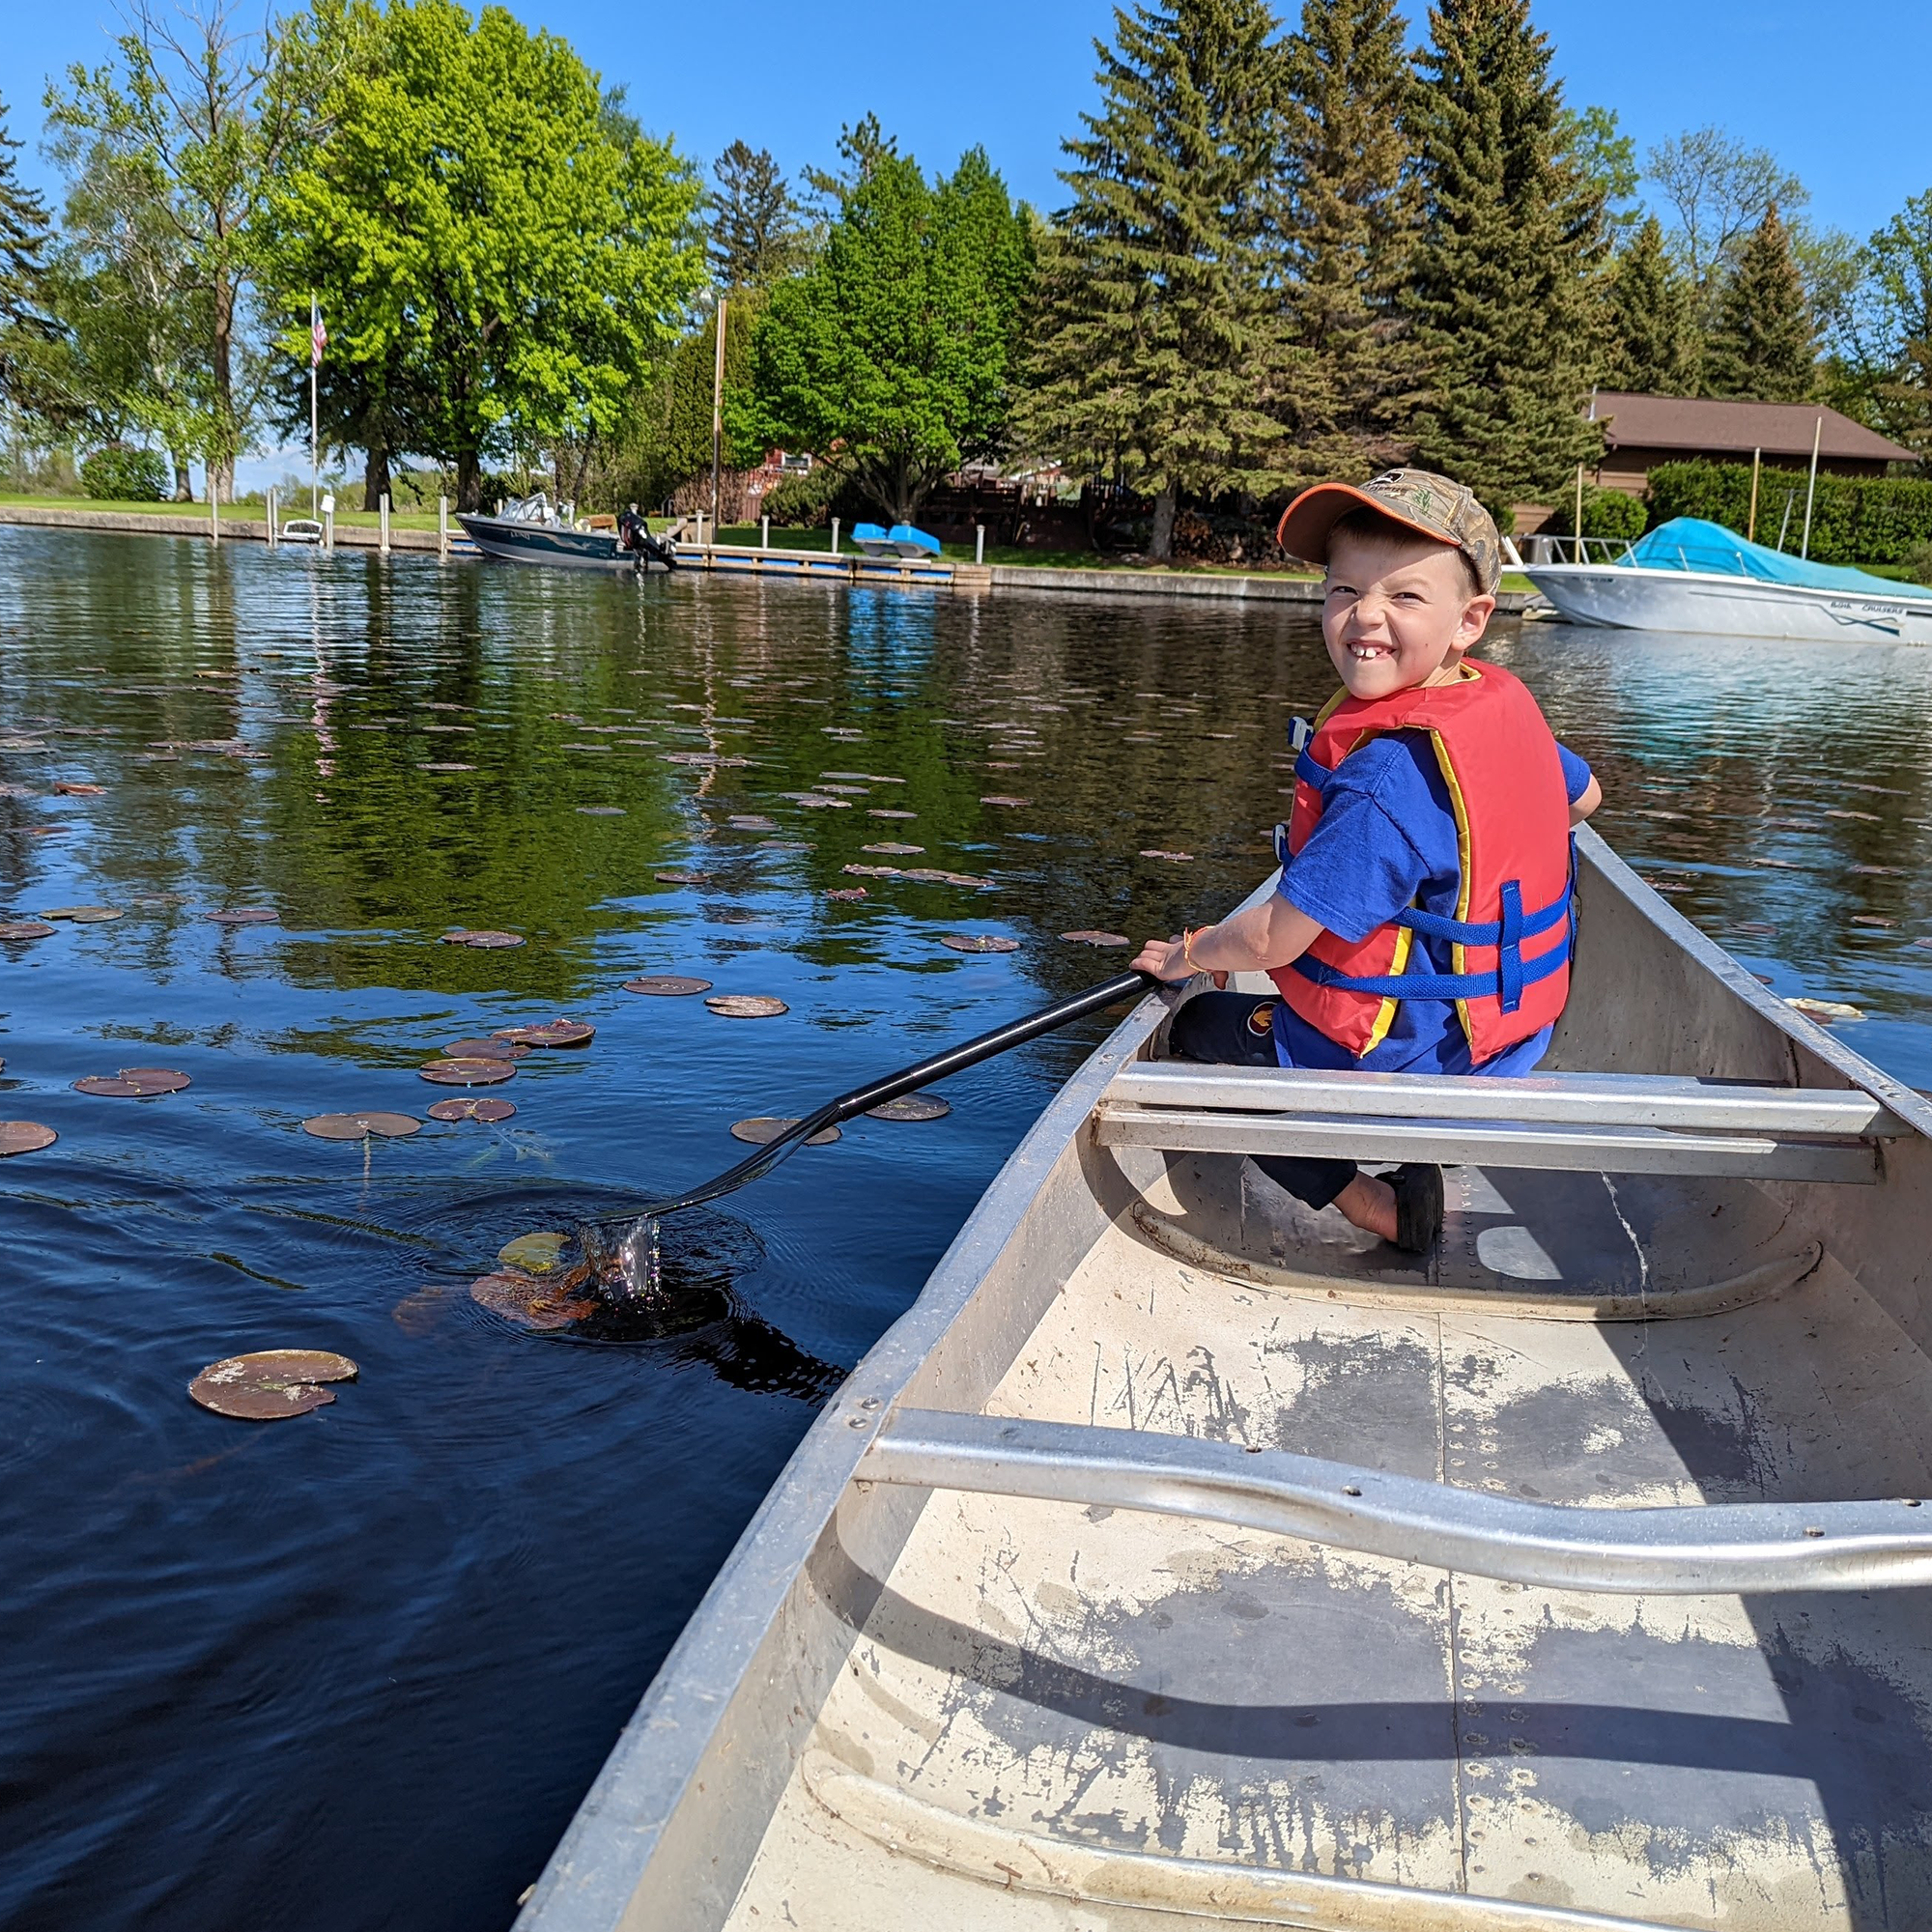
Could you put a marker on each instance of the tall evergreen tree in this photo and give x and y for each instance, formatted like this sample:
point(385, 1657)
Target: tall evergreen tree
point(1512, 227)
point(1158, 336)
point(754, 236)
point(1765, 345)
point(1654, 345)
point(1350, 222)
point(23, 267)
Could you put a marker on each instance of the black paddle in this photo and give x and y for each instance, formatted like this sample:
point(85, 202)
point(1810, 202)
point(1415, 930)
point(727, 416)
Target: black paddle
point(874, 1094)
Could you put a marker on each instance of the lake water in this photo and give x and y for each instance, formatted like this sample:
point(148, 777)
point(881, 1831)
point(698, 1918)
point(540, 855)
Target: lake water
point(355, 1669)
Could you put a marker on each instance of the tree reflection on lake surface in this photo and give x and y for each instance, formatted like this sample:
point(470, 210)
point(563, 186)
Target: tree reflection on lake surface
point(367, 1660)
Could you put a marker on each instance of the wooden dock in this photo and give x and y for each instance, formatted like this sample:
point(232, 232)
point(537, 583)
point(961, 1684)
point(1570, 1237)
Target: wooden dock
point(840, 567)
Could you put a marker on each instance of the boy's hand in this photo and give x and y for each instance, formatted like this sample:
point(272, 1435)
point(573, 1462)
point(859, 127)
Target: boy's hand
point(1167, 959)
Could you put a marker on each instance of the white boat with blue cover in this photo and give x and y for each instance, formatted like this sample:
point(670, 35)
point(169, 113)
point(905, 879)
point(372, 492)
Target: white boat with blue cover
point(1691, 575)
point(1184, 1552)
point(902, 541)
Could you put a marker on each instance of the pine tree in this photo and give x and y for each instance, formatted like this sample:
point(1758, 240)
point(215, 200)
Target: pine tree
point(1350, 234)
point(1653, 347)
point(1512, 228)
point(1764, 346)
point(1159, 341)
point(754, 236)
point(23, 270)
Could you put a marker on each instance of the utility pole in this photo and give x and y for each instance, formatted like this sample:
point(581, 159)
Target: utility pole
point(718, 413)
point(317, 336)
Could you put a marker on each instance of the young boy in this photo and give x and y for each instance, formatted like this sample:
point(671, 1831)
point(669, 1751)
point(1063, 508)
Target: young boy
point(1422, 920)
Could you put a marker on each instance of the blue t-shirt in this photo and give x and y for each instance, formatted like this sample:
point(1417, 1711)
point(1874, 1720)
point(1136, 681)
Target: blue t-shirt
point(1386, 839)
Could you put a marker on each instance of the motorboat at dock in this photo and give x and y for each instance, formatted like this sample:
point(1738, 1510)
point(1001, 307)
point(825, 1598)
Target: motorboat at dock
point(1183, 1552)
point(531, 530)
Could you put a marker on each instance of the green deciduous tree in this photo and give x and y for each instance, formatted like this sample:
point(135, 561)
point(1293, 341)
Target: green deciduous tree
point(1350, 220)
point(898, 341)
point(754, 232)
point(1162, 346)
point(1513, 228)
point(1720, 190)
point(1886, 343)
point(1654, 344)
point(1764, 344)
point(501, 262)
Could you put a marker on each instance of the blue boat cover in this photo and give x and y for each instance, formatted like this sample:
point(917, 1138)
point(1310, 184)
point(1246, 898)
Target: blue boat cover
point(865, 533)
point(904, 533)
point(1691, 543)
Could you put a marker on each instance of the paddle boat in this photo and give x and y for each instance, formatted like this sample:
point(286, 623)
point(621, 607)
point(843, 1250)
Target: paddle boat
point(533, 531)
point(1182, 1551)
point(1689, 575)
point(902, 540)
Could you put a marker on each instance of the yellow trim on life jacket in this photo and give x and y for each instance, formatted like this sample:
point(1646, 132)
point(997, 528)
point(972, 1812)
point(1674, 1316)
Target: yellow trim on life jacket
point(1386, 1013)
point(1459, 806)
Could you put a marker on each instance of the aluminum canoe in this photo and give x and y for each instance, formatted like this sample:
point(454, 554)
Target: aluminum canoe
point(1182, 1554)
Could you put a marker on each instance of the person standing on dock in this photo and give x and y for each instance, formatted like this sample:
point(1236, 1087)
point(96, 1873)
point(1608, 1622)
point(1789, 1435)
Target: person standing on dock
point(1422, 920)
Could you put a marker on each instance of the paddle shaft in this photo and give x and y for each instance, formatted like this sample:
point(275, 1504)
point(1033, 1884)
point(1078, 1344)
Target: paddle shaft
point(876, 1092)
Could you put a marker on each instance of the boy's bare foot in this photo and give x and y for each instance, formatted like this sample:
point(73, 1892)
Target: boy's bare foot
point(1408, 1213)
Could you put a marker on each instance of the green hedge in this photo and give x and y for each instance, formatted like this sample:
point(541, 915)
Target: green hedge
point(1606, 512)
point(1854, 520)
point(121, 474)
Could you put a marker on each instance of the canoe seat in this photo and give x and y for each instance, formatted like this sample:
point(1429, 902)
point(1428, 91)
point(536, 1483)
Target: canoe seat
point(1600, 1122)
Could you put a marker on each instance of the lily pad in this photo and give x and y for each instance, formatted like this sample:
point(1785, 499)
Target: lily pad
point(912, 1107)
point(446, 765)
point(999, 798)
point(24, 1137)
point(762, 1128)
point(530, 1301)
point(467, 1107)
point(84, 915)
point(1088, 937)
point(891, 846)
point(536, 1254)
point(666, 985)
point(468, 1072)
point(134, 1083)
point(750, 821)
point(69, 789)
point(25, 929)
point(747, 1005)
point(490, 1048)
point(245, 916)
point(978, 942)
point(886, 811)
point(270, 1383)
point(845, 893)
point(1178, 858)
point(361, 1127)
point(601, 810)
point(681, 878)
point(482, 941)
point(1824, 1011)
point(553, 1032)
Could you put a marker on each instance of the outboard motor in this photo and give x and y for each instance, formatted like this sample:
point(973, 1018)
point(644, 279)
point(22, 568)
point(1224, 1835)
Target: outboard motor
point(649, 549)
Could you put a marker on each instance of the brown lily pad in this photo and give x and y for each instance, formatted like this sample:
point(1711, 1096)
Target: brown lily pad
point(25, 929)
point(681, 878)
point(1178, 858)
point(84, 915)
point(444, 765)
point(245, 916)
point(912, 1107)
point(134, 1083)
point(601, 810)
point(466, 1073)
point(483, 941)
point(891, 846)
point(553, 1032)
point(69, 789)
point(750, 821)
point(530, 1301)
point(361, 1127)
point(270, 1383)
point(479, 1107)
point(1000, 798)
point(24, 1137)
point(845, 893)
point(666, 985)
point(747, 1005)
point(886, 811)
point(1087, 937)
point(978, 942)
point(762, 1128)
point(485, 1048)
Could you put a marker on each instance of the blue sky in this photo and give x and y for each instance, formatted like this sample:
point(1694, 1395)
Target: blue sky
point(1836, 91)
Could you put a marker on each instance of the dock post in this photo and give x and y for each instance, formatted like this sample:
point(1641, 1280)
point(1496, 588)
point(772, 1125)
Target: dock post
point(834, 537)
point(271, 516)
point(383, 523)
point(764, 533)
point(213, 508)
point(328, 523)
point(979, 543)
point(442, 527)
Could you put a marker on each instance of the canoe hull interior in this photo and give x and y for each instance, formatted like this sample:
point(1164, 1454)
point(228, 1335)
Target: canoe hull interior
point(898, 1705)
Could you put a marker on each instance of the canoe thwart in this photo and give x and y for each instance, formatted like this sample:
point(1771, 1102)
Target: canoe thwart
point(1465, 1141)
point(1560, 1100)
point(1698, 1551)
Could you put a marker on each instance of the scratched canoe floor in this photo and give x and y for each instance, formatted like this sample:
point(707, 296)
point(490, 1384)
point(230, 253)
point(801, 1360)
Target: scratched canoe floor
point(356, 1668)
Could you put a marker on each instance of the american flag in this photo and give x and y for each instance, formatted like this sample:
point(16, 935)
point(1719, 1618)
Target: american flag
point(318, 336)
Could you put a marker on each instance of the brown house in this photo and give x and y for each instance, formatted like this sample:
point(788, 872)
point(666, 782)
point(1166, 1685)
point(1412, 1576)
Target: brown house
point(1640, 432)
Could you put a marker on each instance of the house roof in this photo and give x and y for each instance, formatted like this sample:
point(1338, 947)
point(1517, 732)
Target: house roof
point(1707, 423)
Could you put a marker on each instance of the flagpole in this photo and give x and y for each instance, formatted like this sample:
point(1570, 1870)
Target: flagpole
point(314, 465)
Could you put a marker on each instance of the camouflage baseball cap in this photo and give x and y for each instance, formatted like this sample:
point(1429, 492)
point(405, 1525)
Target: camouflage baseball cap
point(1419, 500)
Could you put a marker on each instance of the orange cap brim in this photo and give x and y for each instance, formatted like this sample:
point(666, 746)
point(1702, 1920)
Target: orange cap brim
point(1305, 524)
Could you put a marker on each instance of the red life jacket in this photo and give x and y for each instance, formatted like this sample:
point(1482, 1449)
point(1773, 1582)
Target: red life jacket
point(1511, 935)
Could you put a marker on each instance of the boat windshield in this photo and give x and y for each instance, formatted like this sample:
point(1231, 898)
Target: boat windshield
point(1691, 543)
point(534, 509)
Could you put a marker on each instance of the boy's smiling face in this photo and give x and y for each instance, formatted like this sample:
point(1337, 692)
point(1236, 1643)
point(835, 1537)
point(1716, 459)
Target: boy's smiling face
point(1398, 611)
